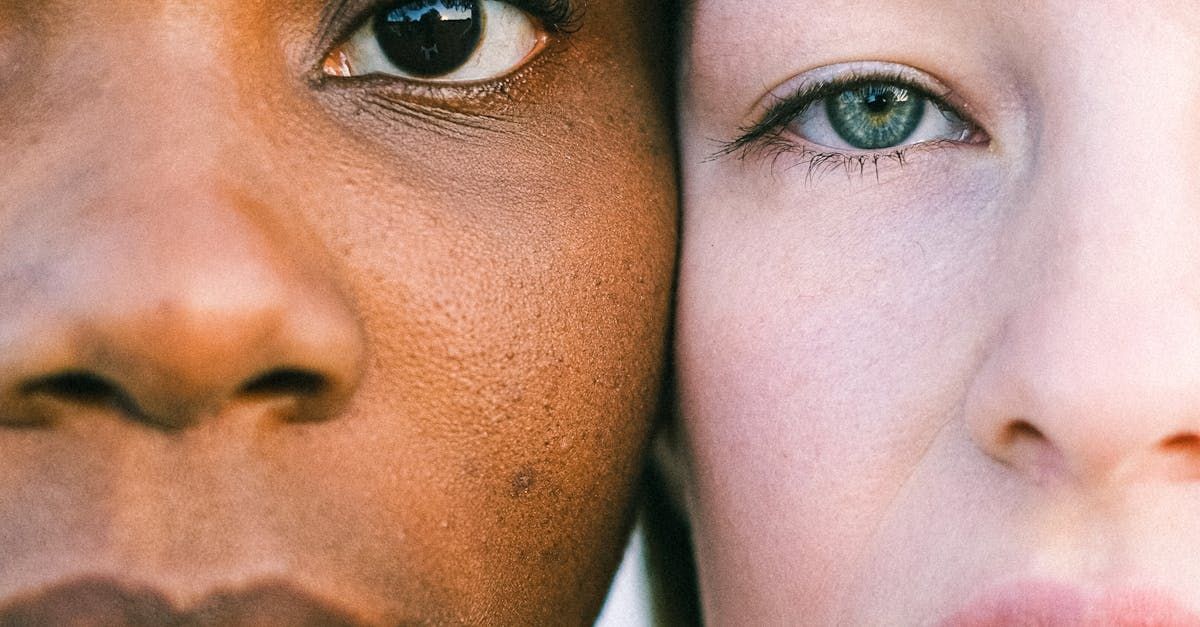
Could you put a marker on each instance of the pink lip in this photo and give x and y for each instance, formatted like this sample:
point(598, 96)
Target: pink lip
point(1051, 604)
point(108, 602)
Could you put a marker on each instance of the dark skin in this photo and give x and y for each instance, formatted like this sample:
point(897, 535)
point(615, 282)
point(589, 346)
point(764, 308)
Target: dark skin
point(394, 347)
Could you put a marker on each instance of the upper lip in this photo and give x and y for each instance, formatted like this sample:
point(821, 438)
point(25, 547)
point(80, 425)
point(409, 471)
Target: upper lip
point(1048, 603)
point(100, 601)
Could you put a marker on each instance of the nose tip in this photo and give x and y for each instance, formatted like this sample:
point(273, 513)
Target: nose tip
point(218, 315)
point(1089, 407)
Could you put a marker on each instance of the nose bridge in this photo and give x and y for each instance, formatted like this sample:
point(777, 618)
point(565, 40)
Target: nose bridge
point(1118, 120)
point(159, 79)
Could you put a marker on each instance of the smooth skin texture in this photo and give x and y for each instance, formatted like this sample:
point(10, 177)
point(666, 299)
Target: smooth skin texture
point(396, 346)
point(907, 387)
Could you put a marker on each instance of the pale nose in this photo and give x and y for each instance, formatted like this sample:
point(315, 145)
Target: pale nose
point(173, 307)
point(1091, 373)
point(1094, 388)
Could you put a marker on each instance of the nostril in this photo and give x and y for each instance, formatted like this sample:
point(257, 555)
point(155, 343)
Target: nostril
point(82, 388)
point(286, 382)
point(310, 392)
point(1179, 457)
point(309, 396)
point(1023, 445)
point(1022, 432)
point(1182, 443)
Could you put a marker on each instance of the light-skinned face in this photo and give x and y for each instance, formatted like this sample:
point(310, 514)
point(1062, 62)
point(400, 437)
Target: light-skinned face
point(939, 311)
point(319, 311)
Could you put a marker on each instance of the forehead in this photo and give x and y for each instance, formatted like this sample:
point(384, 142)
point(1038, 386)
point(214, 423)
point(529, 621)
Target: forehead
point(1028, 18)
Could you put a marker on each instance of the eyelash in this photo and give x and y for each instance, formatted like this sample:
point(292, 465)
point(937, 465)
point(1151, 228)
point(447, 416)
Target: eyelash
point(558, 16)
point(766, 137)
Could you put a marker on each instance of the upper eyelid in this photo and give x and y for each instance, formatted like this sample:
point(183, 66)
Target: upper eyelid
point(844, 73)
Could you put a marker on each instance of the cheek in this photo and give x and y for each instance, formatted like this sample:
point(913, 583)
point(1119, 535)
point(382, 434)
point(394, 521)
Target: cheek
point(823, 342)
point(517, 343)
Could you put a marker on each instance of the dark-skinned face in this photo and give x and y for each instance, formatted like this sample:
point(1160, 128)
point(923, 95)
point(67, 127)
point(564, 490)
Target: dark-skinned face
point(284, 337)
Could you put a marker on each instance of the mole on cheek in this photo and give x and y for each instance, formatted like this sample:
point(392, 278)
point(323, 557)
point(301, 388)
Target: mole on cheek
point(522, 482)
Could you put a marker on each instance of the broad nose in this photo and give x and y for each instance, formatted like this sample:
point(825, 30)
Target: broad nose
point(167, 304)
point(155, 261)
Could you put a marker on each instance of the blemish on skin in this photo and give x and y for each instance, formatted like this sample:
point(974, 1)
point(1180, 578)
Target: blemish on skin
point(522, 482)
point(552, 555)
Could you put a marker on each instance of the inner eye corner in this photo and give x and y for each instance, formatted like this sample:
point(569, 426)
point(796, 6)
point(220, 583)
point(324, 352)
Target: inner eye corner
point(335, 64)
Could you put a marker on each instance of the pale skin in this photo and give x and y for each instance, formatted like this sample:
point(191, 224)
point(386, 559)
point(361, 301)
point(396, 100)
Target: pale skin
point(396, 348)
point(905, 387)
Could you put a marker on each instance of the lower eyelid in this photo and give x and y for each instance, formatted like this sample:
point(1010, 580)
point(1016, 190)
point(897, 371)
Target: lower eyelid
point(811, 166)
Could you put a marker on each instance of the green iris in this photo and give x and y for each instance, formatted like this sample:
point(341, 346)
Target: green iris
point(875, 115)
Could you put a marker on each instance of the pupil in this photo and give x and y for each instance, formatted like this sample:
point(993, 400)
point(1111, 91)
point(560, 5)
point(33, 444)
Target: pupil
point(877, 101)
point(429, 37)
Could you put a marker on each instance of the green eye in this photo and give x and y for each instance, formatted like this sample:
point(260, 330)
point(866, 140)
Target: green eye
point(876, 115)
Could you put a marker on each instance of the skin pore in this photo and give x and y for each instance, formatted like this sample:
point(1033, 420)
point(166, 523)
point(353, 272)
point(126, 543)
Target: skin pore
point(388, 344)
point(955, 382)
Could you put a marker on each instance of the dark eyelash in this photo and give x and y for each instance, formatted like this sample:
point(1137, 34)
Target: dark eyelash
point(821, 163)
point(765, 136)
point(560, 16)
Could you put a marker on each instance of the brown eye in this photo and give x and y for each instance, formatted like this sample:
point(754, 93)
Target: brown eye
point(440, 41)
point(429, 38)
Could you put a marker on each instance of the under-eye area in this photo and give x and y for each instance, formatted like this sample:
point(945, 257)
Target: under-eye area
point(856, 118)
